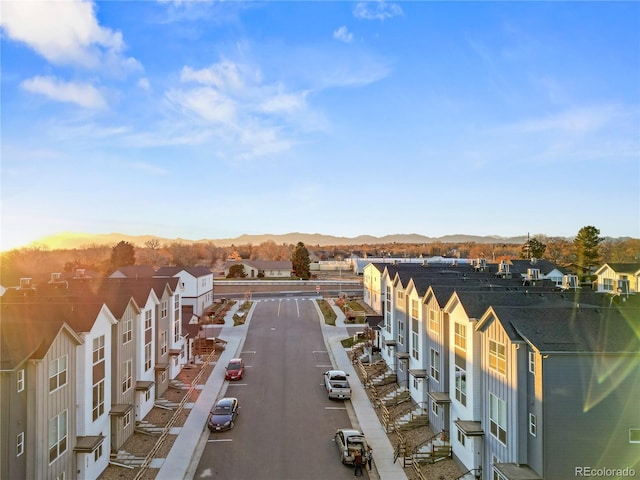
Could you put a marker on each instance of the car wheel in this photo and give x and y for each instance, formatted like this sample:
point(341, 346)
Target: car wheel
point(232, 424)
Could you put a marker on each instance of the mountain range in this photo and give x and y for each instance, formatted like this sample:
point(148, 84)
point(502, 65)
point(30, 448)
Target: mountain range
point(70, 240)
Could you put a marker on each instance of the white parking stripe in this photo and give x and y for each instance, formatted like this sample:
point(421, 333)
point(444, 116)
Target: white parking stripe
point(221, 440)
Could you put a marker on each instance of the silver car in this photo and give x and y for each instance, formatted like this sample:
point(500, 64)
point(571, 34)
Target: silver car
point(349, 441)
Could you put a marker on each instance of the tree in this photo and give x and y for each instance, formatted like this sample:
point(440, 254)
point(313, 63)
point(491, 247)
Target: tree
point(587, 244)
point(300, 261)
point(236, 271)
point(123, 255)
point(533, 248)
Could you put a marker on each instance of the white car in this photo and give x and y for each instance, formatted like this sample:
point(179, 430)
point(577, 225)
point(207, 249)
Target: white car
point(337, 385)
point(349, 441)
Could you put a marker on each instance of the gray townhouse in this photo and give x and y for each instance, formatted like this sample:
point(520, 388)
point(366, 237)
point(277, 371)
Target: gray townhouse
point(66, 400)
point(466, 354)
point(562, 401)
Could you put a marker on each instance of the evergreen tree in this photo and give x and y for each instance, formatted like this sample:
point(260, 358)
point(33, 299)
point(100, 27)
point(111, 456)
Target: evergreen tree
point(300, 261)
point(122, 255)
point(533, 248)
point(587, 244)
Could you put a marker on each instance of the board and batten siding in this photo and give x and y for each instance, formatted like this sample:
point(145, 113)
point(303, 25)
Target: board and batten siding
point(505, 388)
point(51, 404)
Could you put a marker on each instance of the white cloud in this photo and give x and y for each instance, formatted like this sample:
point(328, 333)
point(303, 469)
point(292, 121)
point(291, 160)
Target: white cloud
point(223, 75)
point(144, 84)
point(343, 34)
point(376, 10)
point(65, 33)
point(82, 94)
point(577, 121)
point(286, 102)
point(206, 102)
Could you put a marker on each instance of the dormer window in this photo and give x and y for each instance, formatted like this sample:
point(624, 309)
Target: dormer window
point(25, 283)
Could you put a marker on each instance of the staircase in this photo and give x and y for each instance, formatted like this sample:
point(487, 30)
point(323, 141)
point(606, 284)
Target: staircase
point(385, 377)
point(418, 417)
point(396, 396)
point(433, 451)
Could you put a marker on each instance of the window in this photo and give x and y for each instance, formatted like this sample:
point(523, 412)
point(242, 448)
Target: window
point(147, 357)
point(607, 284)
point(497, 357)
point(634, 435)
point(164, 309)
point(415, 338)
point(176, 303)
point(498, 418)
point(176, 331)
point(19, 444)
point(387, 322)
point(400, 297)
point(497, 476)
point(532, 424)
point(20, 380)
point(434, 323)
point(98, 349)
point(148, 318)
point(126, 420)
point(401, 331)
point(163, 376)
point(388, 298)
point(435, 365)
point(414, 308)
point(127, 373)
point(97, 453)
point(57, 373)
point(460, 337)
point(434, 408)
point(461, 438)
point(532, 362)
point(127, 331)
point(98, 400)
point(163, 343)
point(57, 436)
point(461, 385)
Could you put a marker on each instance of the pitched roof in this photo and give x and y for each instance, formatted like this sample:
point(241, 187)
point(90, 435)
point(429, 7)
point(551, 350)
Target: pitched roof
point(27, 331)
point(583, 329)
point(198, 271)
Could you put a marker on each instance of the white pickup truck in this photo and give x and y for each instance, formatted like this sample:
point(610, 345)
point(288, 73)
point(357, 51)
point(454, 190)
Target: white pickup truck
point(336, 383)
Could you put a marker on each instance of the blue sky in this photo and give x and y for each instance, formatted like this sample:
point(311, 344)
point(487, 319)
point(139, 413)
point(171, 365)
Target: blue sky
point(215, 119)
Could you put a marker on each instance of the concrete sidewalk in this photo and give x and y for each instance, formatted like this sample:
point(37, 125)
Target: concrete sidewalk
point(180, 464)
point(368, 422)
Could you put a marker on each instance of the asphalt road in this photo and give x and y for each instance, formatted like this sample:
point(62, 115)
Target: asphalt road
point(286, 423)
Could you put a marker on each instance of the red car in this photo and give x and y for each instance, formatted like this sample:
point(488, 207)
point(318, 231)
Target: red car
point(235, 369)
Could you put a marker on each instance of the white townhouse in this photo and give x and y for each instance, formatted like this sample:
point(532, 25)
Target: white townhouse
point(372, 296)
point(465, 378)
point(197, 286)
point(93, 367)
point(144, 368)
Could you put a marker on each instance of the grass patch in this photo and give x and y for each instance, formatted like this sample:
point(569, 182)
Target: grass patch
point(327, 312)
point(241, 315)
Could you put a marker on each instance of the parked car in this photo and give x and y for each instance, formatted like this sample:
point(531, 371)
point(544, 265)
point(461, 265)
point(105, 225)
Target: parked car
point(235, 369)
point(223, 415)
point(336, 383)
point(349, 441)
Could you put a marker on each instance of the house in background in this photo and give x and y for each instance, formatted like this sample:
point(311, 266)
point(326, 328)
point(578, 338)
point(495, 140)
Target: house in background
point(618, 278)
point(134, 271)
point(262, 268)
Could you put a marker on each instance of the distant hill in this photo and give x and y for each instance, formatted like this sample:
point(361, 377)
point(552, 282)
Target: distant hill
point(70, 240)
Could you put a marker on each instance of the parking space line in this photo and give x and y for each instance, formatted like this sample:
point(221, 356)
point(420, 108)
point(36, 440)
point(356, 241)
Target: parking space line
point(335, 408)
point(324, 366)
point(220, 440)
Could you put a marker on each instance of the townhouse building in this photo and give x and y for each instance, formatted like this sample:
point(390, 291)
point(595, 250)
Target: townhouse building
point(196, 287)
point(93, 345)
point(486, 347)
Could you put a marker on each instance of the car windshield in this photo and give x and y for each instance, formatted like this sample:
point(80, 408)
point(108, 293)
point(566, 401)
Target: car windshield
point(222, 409)
point(234, 366)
